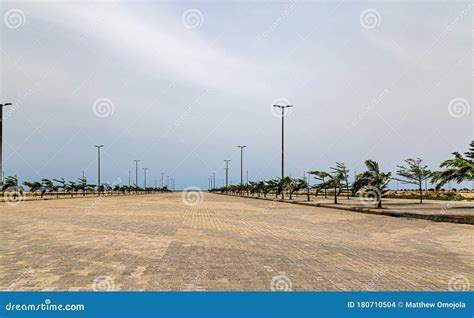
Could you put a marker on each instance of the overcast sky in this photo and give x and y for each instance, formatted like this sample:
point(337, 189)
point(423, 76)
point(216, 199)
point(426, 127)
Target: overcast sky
point(180, 85)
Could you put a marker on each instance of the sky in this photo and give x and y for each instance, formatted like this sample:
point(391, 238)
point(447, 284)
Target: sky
point(179, 85)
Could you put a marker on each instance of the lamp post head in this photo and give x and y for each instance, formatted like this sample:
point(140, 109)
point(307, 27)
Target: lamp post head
point(6, 104)
point(283, 106)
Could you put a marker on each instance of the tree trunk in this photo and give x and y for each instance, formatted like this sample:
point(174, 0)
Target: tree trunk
point(335, 194)
point(421, 193)
point(347, 189)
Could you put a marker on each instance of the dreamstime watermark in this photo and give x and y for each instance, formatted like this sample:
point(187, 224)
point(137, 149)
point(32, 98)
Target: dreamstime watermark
point(270, 206)
point(197, 102)
point(448, 206)
point(103, 107)
point(13, 196)
point(14, 19)
point(192, 19)
point(452, 25)
point(103, 283)
point(281, 283)
point(375, 279)
point(277, 111)
point(370, 106)
point(286, 12)
point(370, 18)
point(192, 196)
point(370, 196)
point(197, 281)
point(459, 107)
point(459, 283)
point(22, 275)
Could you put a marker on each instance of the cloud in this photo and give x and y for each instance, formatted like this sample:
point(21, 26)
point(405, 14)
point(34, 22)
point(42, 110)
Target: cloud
point(182, 55)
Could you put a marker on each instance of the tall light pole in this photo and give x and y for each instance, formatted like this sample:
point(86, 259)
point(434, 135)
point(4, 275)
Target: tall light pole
point(1, 138)
point(214, 180)
point(144, 172)
point(241, 164)
point(168, 182)
point(136, 172)
point(98, 165)
point(162, 184)
point(227, 173)
point(282, 107)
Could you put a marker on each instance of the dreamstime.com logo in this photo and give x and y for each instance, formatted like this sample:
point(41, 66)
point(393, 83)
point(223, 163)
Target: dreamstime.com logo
point(369, 196)
point(281, 283)
point(14, 19)
point(459, 107)
point(459, 283)
point(47, 305)
point(370, 18)
point(103, 107)
point(192, 19)
point(103, 283)
point(192, 196)
point(13, 196)
point(276, 111)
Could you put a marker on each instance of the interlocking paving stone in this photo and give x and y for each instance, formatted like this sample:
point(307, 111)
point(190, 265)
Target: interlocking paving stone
point(156, 242)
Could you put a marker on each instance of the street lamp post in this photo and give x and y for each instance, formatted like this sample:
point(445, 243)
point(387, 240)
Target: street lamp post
point(98, 166)
point(227, 173)
point(214, 180)
point(162, 184)
point(241, 164)
point(136, 172)
point(282, 107)
point(168, 182)
point(1, 139)
point(144, 172)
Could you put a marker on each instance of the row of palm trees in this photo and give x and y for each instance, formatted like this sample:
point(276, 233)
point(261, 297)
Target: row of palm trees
point(59, 187)
point(372, 183)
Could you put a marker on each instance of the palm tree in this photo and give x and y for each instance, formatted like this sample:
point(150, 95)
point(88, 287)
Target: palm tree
point(344, 173)
point(334, 180)
point(373, 179)
point(48, 186)
point(71, 187)
point(415, 173)
point(272, 185)
point(11, 185)
point(60, 184)
point(320, 176)
point(295, 185)
point(459, 169)
point(34, 186)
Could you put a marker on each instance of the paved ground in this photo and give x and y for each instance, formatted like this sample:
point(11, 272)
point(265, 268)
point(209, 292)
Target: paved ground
point(412, 205)
point(156, 242)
